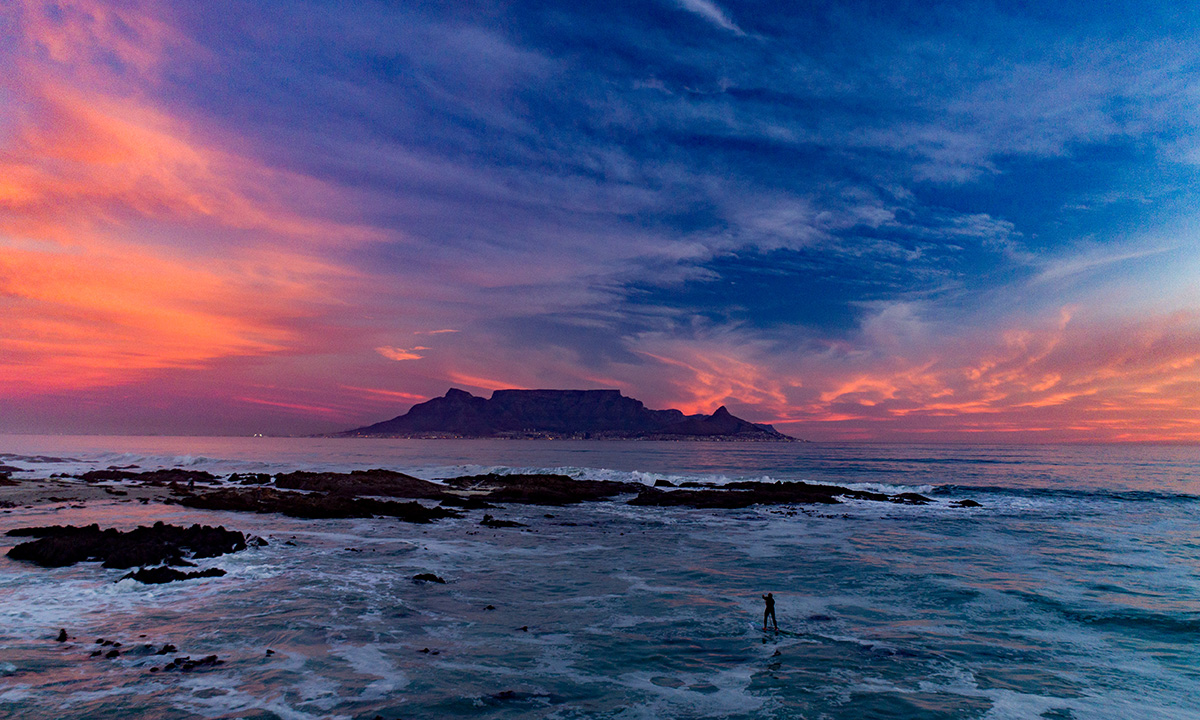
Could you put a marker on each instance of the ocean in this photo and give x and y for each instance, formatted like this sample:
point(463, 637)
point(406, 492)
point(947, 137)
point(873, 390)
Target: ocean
point(1073, 592)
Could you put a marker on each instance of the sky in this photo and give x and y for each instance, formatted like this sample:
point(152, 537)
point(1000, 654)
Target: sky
point(882, 221)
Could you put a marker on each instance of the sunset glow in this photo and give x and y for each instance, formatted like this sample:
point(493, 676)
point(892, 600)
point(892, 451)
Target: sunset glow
point(852, 225)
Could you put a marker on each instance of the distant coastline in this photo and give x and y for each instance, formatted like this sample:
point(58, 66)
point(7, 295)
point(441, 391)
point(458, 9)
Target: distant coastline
point(597, 437)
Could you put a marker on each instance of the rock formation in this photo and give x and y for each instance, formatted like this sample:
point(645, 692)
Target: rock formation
point(62, 545)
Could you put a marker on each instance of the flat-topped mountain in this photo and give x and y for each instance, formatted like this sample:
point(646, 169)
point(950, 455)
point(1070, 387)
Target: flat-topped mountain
point(599, 414)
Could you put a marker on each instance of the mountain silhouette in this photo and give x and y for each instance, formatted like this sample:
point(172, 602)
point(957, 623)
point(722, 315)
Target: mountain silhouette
point(599, 414)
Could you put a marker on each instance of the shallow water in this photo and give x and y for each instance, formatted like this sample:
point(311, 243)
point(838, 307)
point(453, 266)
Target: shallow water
point(1073, 593)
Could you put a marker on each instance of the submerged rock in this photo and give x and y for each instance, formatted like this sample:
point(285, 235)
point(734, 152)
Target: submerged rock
point(165, 574)
point(313, 506)
point(62, 545)
point(428, 577)
point(752, 492)
point(910, 498)
point(187, 664)
point(381, 483)
point(250, 478)
point(489, 521)
point(468, 502)
point(541, 489)
point(769, 494)
point(151, 477)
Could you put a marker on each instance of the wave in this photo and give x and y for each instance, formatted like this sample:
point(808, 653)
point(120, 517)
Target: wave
point(643, 464)
point(1132, 496)
point(1134, 619)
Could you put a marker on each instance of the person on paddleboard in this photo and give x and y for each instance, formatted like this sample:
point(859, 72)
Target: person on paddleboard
point(769, 612)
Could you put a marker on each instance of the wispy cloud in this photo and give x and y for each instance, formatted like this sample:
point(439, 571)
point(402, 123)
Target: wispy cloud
point(395, 353)
point(711, 12)
point(859, 223)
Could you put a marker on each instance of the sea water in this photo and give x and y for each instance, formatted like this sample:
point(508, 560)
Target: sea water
point(1073, 592)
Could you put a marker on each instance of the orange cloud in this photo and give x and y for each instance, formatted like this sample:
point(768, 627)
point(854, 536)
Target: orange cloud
point(395, 353)
point(130, 240)
point(713, 376)
point(1079, 377)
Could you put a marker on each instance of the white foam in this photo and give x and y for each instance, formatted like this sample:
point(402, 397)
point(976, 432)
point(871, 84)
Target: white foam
point(370, 660)
point(16, 694)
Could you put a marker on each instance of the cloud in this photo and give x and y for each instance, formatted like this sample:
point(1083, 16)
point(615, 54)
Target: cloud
point(864, 223)
point(395, 353)
point(711, 12)
point(132, 242)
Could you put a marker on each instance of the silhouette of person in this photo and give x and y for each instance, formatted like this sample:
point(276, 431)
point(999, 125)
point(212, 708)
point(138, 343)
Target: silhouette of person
point(769, 612)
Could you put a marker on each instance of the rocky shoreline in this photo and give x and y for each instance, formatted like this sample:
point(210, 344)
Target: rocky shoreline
point(157, 550)
point(387, 493)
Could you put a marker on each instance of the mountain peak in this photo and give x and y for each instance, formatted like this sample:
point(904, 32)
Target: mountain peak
point(585, 414)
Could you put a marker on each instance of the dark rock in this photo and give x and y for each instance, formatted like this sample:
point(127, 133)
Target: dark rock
point(559, 413)
point(468, 502)
point(168, 648)
point(152, 477)
point(112, 654)
point(7, 481)
point(164, 574)
point(270, 652)
point(752, 492)
point(428, 577)
point(660, 483)
point(489, 521)
point(490, 607)
point(381, 483)
point(59, 546)
point(541, 489)
point(909, 498)
point(313, 506)
point(186, 664)
point(506, 696)
point(62, 635)
point(966, 504)
point(743, 495)
point(250, 478)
